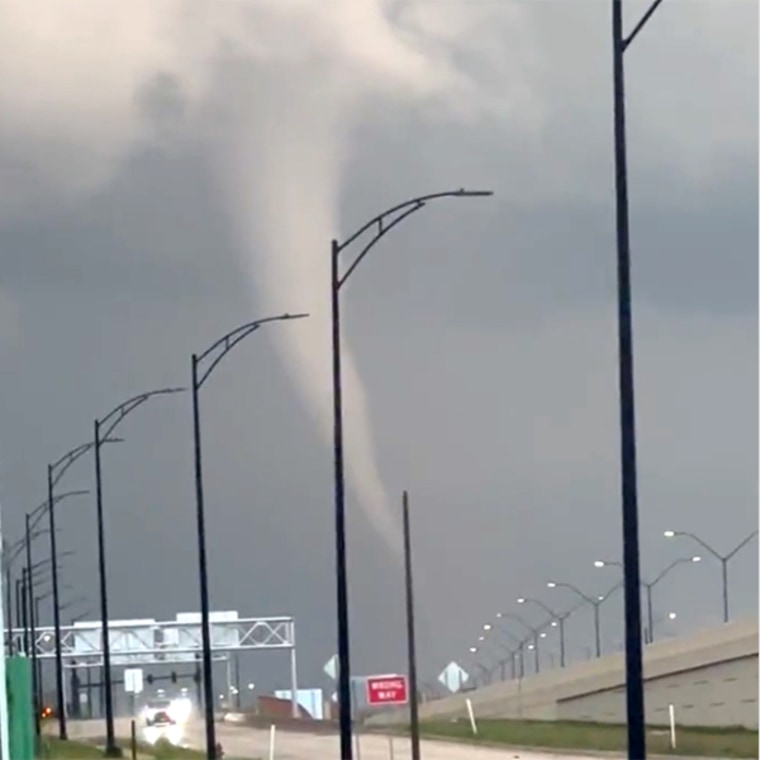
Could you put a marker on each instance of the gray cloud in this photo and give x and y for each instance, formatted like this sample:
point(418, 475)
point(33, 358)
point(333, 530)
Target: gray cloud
point(485, 332)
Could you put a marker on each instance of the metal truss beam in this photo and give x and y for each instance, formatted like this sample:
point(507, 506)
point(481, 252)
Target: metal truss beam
point(149, 642)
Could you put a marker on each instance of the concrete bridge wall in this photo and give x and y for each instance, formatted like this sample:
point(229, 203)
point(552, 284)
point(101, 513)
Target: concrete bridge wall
point(709, 677)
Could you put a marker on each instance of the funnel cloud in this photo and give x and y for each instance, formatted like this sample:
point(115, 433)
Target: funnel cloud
point(274, 90)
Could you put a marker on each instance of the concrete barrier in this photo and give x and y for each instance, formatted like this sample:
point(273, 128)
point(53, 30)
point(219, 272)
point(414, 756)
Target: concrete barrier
point(710, 678)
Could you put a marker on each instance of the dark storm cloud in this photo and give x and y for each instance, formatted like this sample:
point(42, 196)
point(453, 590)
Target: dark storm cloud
point(486, 334)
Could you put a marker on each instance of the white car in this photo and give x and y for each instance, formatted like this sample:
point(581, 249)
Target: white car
point(158, 712)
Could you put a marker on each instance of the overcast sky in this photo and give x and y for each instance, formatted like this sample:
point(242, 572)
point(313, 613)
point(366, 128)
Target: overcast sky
point(484, 330)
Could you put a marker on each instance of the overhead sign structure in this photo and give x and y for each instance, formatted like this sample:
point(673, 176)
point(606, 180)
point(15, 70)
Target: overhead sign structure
point(386, 690)
point(133, 680)
point(136, 643)
point(453, 677)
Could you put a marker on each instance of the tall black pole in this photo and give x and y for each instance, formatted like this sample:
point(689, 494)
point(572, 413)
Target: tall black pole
point(40, 687)
point(90, 712)
point(9, 607)
point(208, 687)
point(633, 653)
point(238, 698)
point(59, 692)
point(32, 632)
point(21, 609)
point(111, 749)
point(344, 657)
point(414, 714)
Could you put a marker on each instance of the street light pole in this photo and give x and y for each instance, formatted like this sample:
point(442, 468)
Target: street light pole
point(379, 226)
point(722, 558)
point(536, 634)
point(414, 713)
point(214, 353)
point(9, 607)
point(55, 472)
point(560, 621)
point(520, 651)
point(103, 428)
point(32, 631)
point(649, 585)
point(631, 576)
point(595, 603)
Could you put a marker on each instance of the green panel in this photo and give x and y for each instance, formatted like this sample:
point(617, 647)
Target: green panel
point(18, 672)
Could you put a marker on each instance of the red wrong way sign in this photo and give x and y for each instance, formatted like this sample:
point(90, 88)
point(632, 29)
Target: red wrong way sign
point(386, 690)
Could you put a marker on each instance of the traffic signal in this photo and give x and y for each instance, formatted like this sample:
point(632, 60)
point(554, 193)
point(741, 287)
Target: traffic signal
point(149, 678)
point(197, 676)
point(174, 677)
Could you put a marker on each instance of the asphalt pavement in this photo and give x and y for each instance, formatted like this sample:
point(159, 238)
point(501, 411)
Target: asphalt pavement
point(248, 743)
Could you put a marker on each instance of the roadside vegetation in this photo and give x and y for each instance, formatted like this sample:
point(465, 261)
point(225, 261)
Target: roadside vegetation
point(55, 749)
point(699, 742)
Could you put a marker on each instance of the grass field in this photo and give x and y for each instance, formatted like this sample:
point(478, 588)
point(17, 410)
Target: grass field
point(55, 749)
point(70, 750)
point(700, 742)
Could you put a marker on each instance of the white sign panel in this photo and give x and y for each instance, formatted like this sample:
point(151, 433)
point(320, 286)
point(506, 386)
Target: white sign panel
point(133, 680)
point(331, 668)
point(453, 677)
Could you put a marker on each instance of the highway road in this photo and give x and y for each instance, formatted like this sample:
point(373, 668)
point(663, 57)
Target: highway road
point(244, 743)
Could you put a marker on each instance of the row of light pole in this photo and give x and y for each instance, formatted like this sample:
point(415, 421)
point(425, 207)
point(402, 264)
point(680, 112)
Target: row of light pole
point(104, 427)
point(557, 619)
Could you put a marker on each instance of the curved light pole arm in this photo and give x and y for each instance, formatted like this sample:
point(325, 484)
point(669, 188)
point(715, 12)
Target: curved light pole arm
point(741, 545)
point(382, 230)
point(544, 607)
point(606, 596)
point(662, 574)
point(389, 218)
point(39, 513)
point(11, 553)
point(508, 634)
point(520, 620)
point(227, 342)
point(117, 414)
point(632, 36)
point(60, 466)
point(576, 591)
point(702, 543)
